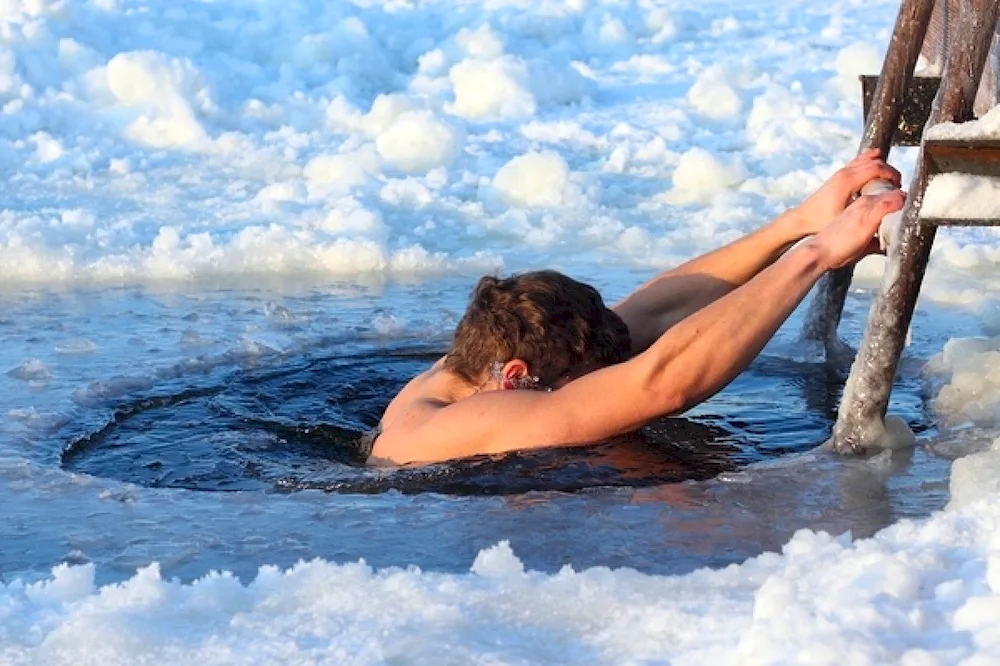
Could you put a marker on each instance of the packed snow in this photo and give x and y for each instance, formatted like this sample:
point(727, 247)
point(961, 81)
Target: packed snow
point(986, 127)
point(958, 196)
point(918, 593)
point(196, 186)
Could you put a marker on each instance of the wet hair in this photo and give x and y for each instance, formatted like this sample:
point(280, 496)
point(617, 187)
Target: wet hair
point(557, 325)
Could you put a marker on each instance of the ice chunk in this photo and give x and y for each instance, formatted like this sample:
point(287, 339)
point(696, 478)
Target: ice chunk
point(974, 477)
point(341, 172)
point(32, 371)
point(535, 180)
point(497, 88)
point(852, 61)
point(386, 109)
point(970, 370)
point(78, 346)
point(713, 95)
point(700, 175)
point(498, 561)
point(420, 141)
point(165, 96)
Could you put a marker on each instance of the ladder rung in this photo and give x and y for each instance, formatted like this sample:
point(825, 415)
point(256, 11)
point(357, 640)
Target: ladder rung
point(975, 157)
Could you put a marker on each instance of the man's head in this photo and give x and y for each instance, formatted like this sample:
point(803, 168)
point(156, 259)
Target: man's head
point(558, 327)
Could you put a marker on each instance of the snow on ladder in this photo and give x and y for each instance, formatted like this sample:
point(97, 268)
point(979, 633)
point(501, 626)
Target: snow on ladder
point(969, 29)
point(961, 172)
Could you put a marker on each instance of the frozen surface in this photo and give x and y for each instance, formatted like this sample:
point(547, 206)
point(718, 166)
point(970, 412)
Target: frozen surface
point(199, 189)
point(975, 477)
point(924, 593)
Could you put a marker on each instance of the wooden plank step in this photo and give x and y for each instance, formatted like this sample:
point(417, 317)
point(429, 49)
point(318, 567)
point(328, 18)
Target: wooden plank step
point(976, 157)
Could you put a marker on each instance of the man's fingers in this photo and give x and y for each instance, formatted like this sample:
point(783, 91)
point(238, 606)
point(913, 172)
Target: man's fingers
point(871, 208)
point(888, 202)
point(887, 172)
point(875, 170)
point(894, 200)
point(871, 153)
point(881, 205)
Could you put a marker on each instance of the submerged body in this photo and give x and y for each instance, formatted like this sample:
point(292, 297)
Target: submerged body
point(539, 361)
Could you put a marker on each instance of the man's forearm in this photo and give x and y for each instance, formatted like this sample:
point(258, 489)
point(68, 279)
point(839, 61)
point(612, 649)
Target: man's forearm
point(742, 259)
point(707, 350)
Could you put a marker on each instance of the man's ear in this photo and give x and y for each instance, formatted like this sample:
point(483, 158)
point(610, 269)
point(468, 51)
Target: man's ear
point(512, 371)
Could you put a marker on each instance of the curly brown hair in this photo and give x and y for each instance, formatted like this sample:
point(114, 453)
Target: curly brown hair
point(557, 325)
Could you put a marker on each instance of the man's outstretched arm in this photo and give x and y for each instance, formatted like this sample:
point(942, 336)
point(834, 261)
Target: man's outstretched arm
point(689, 363)
point(675, 294)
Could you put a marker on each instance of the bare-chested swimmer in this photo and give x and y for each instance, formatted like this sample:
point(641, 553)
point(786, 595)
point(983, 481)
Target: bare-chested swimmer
point(539, 361)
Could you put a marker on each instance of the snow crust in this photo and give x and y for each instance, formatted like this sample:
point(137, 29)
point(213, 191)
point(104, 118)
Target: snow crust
point(960, 196)
point(986, 127)
point(917, 593)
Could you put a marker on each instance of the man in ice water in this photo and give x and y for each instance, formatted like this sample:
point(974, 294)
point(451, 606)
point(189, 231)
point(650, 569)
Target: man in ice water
point(539, 361)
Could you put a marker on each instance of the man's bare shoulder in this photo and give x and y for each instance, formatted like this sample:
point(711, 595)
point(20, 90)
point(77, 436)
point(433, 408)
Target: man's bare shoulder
point(423, 391)
point(422, 397)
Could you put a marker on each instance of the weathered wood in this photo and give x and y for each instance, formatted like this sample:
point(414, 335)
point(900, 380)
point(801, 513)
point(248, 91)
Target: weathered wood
point(914, 110)
point(866, 395)
point(976, 157)
point(941, 36)
point(901, 56)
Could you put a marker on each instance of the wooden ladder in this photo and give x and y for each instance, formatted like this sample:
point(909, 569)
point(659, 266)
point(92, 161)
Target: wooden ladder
point(860, 421)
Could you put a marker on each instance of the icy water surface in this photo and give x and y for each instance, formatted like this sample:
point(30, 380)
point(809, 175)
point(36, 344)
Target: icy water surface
point(128, 410)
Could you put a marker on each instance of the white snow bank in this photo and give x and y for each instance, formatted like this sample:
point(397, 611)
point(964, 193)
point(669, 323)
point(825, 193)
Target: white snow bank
point(343, 241)
point(146, 117)
point(916, 593)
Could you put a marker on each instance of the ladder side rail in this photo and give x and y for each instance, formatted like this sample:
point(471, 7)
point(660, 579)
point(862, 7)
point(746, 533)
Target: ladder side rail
point(866, 396)
point(823, 315)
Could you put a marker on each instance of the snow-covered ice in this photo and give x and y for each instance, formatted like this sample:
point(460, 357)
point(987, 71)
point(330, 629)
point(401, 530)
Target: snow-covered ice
point(196, 187)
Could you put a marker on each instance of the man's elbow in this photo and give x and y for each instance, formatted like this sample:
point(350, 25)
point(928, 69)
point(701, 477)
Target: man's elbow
point(661, 395)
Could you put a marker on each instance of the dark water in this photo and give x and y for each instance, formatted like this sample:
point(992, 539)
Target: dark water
point(297, 425)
